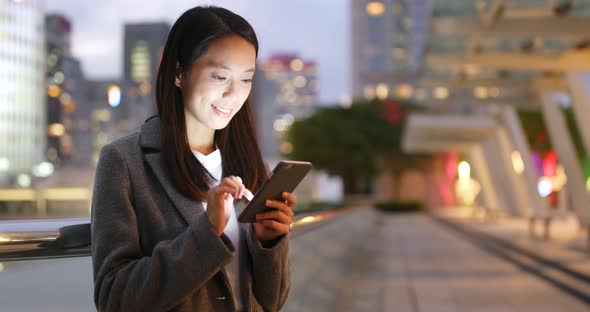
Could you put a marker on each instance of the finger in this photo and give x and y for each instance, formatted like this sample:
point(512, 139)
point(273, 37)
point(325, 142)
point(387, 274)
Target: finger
point(240, 184)
point(274, 226)
point(237, 182)
point(231, 182)
point(221, 192)
point(290, 198)
point(276, 215)
point(222, 189)
point(281, 206)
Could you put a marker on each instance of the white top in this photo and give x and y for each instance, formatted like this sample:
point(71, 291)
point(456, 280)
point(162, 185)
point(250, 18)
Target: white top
point(212, 163)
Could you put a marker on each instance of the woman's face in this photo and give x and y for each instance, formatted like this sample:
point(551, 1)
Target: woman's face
point(218, 83)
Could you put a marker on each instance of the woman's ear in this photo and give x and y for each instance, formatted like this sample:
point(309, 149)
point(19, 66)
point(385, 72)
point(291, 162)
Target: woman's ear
point(178, 76)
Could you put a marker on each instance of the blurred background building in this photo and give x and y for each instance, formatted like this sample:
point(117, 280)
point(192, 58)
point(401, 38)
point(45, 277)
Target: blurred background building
point(142, 51)
point(66, 105)
point(22, 96)
point(285, 89)
point(387, 45)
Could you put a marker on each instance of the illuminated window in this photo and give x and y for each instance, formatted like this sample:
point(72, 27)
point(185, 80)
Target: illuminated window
point(375, 8)
point(296, 65)
point(441, 93)
point(140, 62)
point(404, 91)
point(480, 92)
point(382, 91)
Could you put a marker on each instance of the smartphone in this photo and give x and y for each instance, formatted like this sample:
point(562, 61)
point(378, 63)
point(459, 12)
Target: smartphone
point(285, 177)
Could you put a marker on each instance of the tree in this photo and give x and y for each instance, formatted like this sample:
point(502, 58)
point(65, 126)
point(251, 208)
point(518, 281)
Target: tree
point(347, 142)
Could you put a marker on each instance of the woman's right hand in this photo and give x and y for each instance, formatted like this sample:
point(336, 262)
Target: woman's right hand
point(220, 197)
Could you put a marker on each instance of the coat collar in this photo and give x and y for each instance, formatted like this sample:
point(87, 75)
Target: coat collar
point(150, 139)
point(150, 135)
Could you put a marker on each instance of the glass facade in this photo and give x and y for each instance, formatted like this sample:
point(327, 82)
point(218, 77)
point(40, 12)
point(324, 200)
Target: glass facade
point(22, 102)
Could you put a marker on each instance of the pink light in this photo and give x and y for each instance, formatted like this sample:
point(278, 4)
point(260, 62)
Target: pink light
point(451, 166)
point(537, 163)
point(550, 164)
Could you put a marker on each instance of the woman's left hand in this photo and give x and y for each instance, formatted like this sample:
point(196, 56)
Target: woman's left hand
point(272, 224)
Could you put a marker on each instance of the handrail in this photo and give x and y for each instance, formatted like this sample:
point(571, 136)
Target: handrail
point(63, 238)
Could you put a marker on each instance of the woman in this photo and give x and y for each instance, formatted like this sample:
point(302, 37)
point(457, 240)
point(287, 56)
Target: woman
point(164, 229)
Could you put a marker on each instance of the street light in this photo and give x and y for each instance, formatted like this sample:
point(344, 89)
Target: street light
point(464, 170)
point(43, 169)
point(4, 164)
point(23, 180)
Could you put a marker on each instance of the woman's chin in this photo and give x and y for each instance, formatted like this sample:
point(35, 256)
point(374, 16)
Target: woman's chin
point(219, 125)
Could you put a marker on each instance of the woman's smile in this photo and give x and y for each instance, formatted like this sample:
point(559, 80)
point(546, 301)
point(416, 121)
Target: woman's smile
point(222, 111)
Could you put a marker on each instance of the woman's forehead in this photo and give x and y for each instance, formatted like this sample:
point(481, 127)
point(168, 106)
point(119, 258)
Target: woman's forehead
point(231, 53)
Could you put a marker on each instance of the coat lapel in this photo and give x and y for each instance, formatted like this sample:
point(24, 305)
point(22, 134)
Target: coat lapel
point(150, 141)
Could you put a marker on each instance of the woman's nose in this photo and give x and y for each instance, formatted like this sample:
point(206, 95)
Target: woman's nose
point(230, 90)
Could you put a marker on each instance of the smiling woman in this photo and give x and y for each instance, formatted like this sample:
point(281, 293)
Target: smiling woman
point(165, 235)
point(215, 87)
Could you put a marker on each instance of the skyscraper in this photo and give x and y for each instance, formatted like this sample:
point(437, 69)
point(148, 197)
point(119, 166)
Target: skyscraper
point(388, 39)
point(22, 96)
point(65, 94)
point(285, 89)
point(143, 47)
point(58, 30)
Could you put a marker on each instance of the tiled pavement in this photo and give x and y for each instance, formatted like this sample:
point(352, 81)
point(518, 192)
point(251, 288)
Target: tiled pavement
point(369, 261)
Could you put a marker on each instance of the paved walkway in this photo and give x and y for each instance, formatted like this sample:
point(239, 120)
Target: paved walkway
point(368, 261)
point(567, 243)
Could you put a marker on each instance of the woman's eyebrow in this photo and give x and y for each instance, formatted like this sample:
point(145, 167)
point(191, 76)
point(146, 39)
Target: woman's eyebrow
point(229, 68)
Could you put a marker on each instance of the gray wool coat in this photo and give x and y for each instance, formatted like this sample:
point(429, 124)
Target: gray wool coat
point(153, 249)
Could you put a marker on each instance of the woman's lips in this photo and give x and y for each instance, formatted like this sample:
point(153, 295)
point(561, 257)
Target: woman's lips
point(221, 111)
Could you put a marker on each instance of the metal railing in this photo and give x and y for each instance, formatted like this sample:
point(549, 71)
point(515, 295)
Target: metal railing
point(61, 238)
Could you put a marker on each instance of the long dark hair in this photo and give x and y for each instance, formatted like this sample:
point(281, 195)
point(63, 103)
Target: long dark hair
point(189, 39)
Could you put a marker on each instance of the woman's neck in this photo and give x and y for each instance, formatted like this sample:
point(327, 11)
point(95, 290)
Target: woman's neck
point(205, 150)
point(200, 137)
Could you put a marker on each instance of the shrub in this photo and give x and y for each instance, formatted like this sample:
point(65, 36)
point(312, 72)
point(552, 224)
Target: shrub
point(395, 206)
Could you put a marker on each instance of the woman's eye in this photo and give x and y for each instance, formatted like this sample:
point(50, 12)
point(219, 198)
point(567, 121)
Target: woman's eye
point(248, 80)
point(220, 78)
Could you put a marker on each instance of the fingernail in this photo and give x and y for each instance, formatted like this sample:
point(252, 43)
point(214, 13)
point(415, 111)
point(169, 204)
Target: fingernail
point(268, 202)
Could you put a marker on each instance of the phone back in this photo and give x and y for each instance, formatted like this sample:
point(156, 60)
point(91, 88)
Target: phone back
point(285, 177)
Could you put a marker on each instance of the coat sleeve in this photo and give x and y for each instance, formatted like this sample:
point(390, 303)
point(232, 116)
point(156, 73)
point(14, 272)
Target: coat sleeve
point(271, 271)
point(124, 278)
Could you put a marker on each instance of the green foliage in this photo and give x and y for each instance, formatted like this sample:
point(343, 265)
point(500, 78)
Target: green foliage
point(347, 142)
point(575, 133)
point(537, 135)
point(395, 206)
point(535, 131)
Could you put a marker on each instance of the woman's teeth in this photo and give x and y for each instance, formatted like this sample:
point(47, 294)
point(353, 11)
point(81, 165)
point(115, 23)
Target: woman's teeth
point(223, 110)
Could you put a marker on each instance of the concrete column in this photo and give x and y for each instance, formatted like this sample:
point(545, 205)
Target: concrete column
point(499, 174)
point(515, 183)
point(536, 205)
point(579, 87)
point(480, 171)
point(566, 153)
